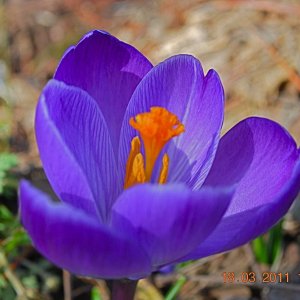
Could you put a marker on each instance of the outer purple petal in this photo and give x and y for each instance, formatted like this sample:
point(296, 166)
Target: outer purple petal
point(76, 242)
point(75, 148)
point(169, 220)
point(262, 159)
point(109, 70)
point(179, 85)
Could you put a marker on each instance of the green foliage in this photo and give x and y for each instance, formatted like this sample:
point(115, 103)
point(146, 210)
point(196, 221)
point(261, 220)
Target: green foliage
point(183, 264)
point(12, 235)
point(7, 181)
point(176, 287)
point(7, 161)
point(267, 248)
point(95, 294)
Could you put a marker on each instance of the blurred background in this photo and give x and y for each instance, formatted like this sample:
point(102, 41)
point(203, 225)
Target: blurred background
point(255, 47)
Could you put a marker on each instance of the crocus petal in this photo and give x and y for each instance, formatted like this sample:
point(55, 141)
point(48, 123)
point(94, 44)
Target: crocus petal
point(178, 84)
point(75, 148)
point(261, 158)
point(109, 70)
point(169, 221)
point(74, 241)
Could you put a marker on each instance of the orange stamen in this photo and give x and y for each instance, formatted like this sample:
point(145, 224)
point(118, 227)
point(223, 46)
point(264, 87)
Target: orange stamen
point(164, 170)
point(156, 128)
point(135, 171)
point(135, 149)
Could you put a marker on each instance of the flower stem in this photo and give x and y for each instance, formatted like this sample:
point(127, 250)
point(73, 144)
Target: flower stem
point(123, 289)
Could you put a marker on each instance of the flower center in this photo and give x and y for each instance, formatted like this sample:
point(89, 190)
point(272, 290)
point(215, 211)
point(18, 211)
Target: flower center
point(156, 128)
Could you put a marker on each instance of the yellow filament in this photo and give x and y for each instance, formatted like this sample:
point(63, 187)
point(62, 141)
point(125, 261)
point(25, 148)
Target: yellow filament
point(156, 128)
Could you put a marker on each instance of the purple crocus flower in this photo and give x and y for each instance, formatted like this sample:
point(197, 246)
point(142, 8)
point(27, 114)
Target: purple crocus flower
point(134, 153)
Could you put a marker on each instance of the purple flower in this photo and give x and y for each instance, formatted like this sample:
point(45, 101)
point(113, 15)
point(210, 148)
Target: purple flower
point(134, 153)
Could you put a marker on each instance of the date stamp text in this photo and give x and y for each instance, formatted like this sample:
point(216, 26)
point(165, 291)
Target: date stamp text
point(252, 277)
